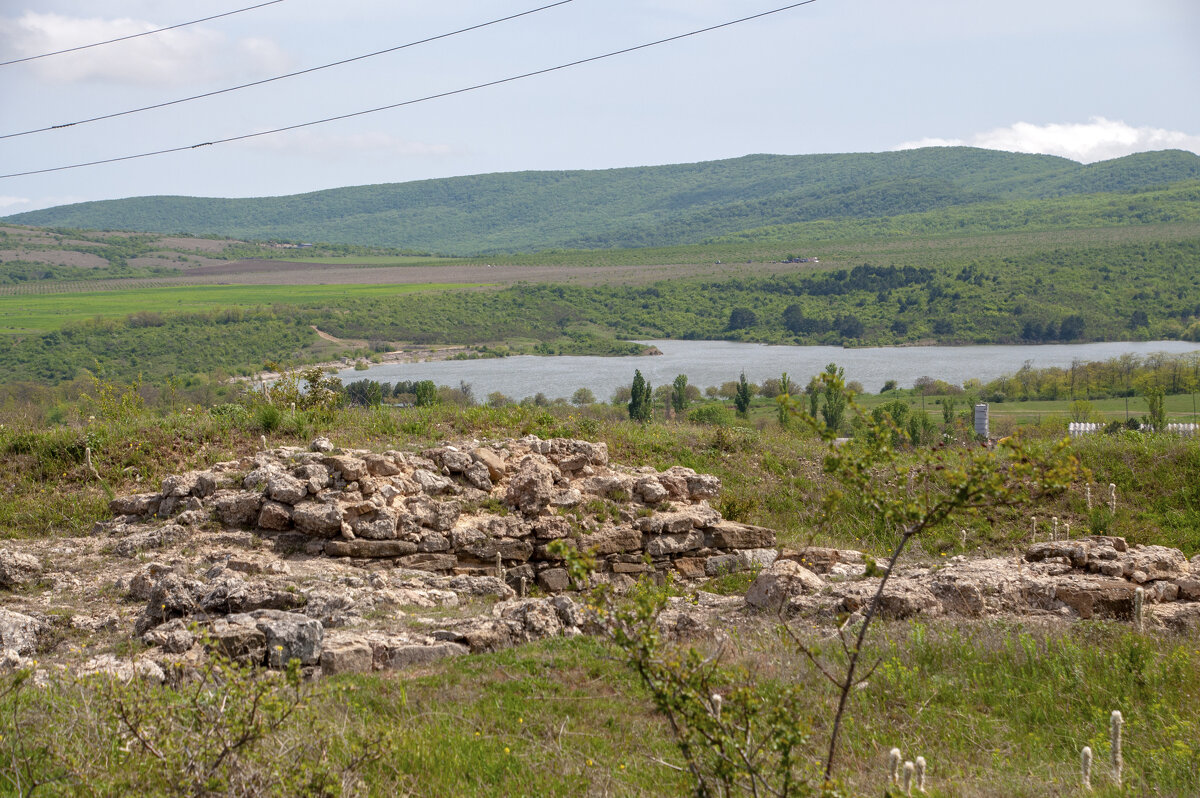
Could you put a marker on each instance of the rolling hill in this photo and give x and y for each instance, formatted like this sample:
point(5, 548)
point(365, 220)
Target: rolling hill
point(632, 207)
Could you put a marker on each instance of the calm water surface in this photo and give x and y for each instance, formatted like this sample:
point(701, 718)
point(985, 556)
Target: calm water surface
point(714, 362)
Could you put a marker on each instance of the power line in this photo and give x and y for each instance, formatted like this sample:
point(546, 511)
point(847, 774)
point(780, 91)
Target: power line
point(281, 77)
point(136, 35)
point(427, 98)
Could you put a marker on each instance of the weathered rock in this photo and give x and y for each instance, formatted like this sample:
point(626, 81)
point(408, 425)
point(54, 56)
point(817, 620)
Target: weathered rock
point(237, 508)
point(19, 632)
point(1076, 552)
point(456, 462)
point(288, 636)
point(193, 483)
point(691, 567)
point(275, 516)
point(612, 540)
point(532, 487)
point(18, 569)
point(536, 618)
point(650, 490)
point(239, 639)
point(405, 656)
point(315, 518)
point(123, 670)
point(428, 562)
point(138, 542)
point(370, 548)
point(667, 544)
point(346, 656)
point(481, 586)
point(141, 585)
point(379, 465)
point(171, 597)
point(732, 535)
point(231, 594)
point(431, 483)
point(666, 523)
point(479, 476)
point(785, 579)
point(287, 489)
point(491, 461)
point(1145, 563)
point(142, 504)
point(173, 637)
point(618, 487)
point(376, 525)
point(351, 468)
point(554, 580)
point(433, 541)
point(321, 444)
point(1092, 597)
point(901, 598)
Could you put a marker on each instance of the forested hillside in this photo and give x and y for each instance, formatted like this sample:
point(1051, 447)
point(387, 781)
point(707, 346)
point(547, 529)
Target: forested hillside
point(633, 207)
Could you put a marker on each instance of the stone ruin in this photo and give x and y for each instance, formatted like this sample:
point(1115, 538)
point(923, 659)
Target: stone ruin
point(480, 509)
point(353, 561)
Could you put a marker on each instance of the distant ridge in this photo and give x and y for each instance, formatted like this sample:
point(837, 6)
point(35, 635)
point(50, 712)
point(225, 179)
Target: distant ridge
point(634, 206)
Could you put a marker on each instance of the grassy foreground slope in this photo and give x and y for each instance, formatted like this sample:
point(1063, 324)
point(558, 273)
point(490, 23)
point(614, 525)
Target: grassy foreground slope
point(631, 207)
point(997, 707)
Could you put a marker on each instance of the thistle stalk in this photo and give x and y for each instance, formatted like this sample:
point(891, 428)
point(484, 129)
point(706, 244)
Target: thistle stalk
point(909, 770)
point(1114, 730)
point(1139, 604)
point(1085, 767)
point(894, 766)
point(920, 763)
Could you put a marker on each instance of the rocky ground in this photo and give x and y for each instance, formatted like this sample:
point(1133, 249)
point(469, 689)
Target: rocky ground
point(353, 561)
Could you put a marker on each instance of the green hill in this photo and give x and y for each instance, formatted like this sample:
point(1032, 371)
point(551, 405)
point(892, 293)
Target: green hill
point(632, 207)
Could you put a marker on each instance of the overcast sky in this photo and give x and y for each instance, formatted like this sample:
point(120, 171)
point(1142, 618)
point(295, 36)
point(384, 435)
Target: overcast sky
point(1086, 79)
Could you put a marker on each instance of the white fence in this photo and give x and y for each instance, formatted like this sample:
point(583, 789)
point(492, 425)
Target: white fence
point(1077, 428)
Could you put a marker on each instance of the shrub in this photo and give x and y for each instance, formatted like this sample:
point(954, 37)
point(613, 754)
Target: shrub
point(713, 414)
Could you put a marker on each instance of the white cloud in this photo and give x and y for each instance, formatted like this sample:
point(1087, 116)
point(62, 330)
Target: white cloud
point(1098, 139)
point(14, 202)
point(171, 57)
point(312, 143)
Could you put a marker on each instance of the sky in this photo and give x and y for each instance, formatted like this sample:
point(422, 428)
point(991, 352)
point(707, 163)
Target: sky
point(1084, 79)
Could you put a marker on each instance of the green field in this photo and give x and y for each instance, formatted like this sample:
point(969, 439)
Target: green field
point(45, 312)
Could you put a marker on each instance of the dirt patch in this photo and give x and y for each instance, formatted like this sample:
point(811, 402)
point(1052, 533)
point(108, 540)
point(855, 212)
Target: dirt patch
point(269, 272)
point(196, 244)
point(54, 257)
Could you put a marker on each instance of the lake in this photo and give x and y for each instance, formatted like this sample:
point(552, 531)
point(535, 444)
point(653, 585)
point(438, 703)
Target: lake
point(714, 362)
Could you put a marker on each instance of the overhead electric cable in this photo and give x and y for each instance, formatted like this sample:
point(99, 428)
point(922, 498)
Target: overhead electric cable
point(136, 35)
point(288, 75)
point(427, 98)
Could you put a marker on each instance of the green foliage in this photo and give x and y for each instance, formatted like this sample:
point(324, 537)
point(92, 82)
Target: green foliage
point(737, 735)
point(426, 393)
point(679, 394)
point(741, 399)
point(834, 409)
point(221, 733)
point(365, 393)
point(640, 398)
point(712, 413)
point(625, 207)
point(583, 397)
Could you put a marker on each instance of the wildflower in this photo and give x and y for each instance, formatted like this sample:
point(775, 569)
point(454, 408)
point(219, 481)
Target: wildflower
point(506, 750)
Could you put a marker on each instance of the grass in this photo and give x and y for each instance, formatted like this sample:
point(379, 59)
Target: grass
point(44, 312)
point(997, 709)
